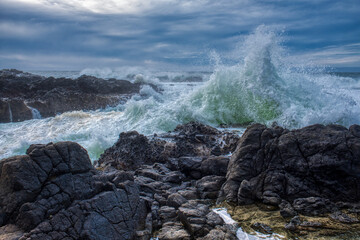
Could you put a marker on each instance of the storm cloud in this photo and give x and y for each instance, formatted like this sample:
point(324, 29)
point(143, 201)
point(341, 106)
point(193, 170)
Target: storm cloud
point(73, 35)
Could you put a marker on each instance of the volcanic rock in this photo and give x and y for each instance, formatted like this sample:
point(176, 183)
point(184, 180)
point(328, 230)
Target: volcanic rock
point(312, 168)
point(54, 192)
point(23, 93)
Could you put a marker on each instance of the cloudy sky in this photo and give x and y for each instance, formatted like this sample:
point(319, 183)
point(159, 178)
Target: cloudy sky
point(78, 34)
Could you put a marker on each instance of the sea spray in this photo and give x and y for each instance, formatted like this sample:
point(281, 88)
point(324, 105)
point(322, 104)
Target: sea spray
point(263, 87)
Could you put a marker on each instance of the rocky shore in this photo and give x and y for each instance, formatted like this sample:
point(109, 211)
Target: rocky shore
point(303, 182)
point(25, 96)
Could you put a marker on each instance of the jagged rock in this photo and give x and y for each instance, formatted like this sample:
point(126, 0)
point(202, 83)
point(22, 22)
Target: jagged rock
point(131, 151)
point(184, 151)
point(198, 219)
point(167, 214)
point(214, 166)
point(262, 228)
point(191, 166)
point(209, 186)
point(21, 91)
point(173, 231)
point(175, 200)
point(275, 164)
point(343, 218)
point(10, 232)
point(220, 233)
point(54, 192)
point(293, 224)
point(313, 206)
point(286, 209)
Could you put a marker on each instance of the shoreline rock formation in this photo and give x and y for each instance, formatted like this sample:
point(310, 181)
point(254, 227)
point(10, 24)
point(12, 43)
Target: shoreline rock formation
point(26, 96)
point(167, 184)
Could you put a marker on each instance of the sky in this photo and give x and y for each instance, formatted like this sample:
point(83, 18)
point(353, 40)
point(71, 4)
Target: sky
point(79, 34)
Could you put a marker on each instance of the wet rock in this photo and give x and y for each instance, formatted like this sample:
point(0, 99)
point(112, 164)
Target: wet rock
point(286, 210)
point(220, 233)
point(173, 231)
point(167, 214)
point(21, 91)
point(262, 228)
point(343, 218)
point(293, 224)
point(10, 232)
point(131, 151)
point(311, 224)
point(214, 166)
point(182, 150)
point(313, 206)
point(209, 186)
point(191, 166)
point(54, 192)
point(175, 200)
point(197, 218)
point(275, 164)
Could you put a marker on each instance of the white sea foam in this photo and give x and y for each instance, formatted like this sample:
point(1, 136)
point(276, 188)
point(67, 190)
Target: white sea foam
point(263, 87)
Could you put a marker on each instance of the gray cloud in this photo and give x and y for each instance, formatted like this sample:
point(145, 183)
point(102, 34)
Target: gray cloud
point(42, 34)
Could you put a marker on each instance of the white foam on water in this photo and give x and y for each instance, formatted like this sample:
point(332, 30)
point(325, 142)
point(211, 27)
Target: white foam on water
point(240, 234)
point(264, 87)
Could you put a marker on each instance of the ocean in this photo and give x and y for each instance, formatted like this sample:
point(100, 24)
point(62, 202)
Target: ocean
point(264, 86)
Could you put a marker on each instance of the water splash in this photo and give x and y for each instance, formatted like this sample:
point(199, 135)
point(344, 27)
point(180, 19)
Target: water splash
point(35, 113)
point(263, 87)
point(10, 113)
point(240, 233)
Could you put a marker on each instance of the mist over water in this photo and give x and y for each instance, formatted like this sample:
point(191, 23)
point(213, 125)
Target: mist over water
point(263, 87)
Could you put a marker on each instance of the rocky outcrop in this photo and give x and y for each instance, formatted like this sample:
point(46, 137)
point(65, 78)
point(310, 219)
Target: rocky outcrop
point(311, 171)
point(300, 180)
point(54, 192)
point(185, 149)
point(141, 186)
point(21, 93)
point(179, 176)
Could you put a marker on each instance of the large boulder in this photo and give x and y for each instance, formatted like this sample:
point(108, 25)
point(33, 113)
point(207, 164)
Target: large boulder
point(54, 192)
point(275, 165)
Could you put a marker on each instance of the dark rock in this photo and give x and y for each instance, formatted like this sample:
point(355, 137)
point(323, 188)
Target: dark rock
point(173, 231)
point(197, 218)
point(183, 150)
point(21, 91)
point(10, 232)
point(214, 166)
point(189, 194)
point(343, 218)
point(311, 224)
point(131, 151)
point(262, 228)
point(220, 233)
point(175, 200)
point(167, 214)
point(275, 164)
point(54, 192)
point(209, 186)
point(313, 206)
point(293, 224)
point(286, 210)
point(190, 166)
